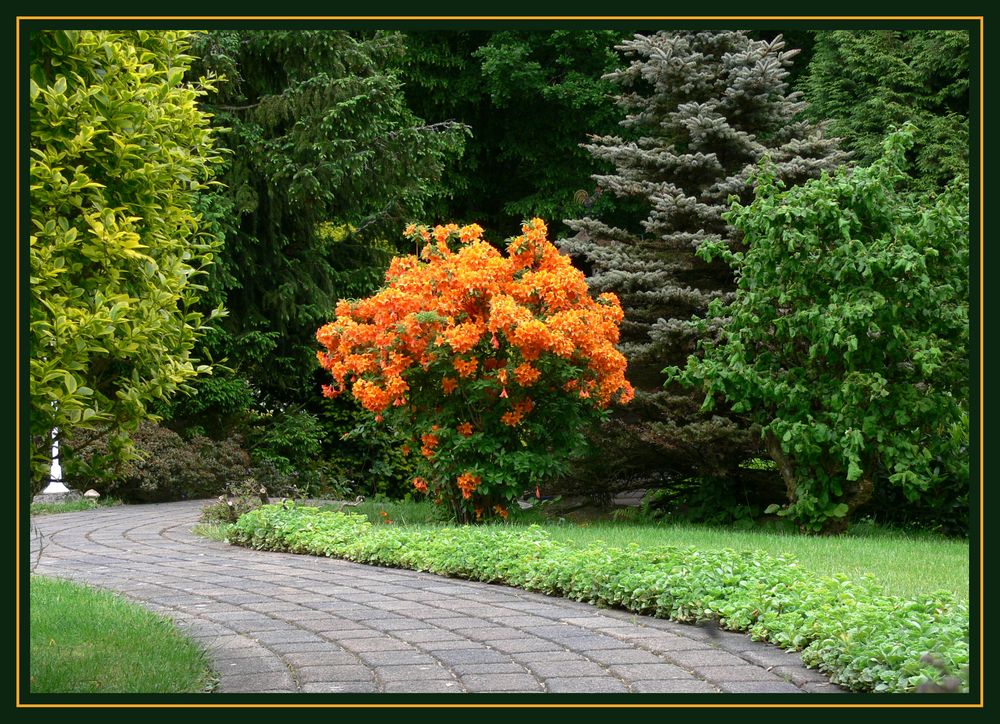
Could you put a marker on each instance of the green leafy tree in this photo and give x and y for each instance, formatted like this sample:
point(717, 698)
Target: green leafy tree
point(119, 152)
point(866, 81)
point(701, 109)
point(848, 337)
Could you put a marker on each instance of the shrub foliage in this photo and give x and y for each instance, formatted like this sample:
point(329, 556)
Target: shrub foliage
point(492, 364)
point(848, 338)
point(119, 150)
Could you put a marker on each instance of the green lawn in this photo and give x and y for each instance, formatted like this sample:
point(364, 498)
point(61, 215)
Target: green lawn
point(905, 564)
point(89, 641)
point(72, 506)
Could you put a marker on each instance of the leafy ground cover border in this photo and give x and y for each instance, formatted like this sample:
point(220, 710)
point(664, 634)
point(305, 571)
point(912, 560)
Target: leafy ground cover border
point(863, 639)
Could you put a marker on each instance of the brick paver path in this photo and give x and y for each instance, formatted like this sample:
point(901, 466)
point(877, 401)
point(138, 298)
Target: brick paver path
point(275, 622)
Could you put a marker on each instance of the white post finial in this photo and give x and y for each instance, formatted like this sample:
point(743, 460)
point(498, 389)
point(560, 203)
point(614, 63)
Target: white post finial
point(55, 485)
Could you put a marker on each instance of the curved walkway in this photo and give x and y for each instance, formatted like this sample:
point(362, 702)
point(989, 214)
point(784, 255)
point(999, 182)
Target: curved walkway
point(275, 622)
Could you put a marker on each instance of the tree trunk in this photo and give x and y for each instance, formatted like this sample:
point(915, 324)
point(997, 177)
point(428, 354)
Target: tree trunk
point(773, 446)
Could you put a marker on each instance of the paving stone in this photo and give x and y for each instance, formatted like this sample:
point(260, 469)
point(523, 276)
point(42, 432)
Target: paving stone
point(244, 666)
point(447, 645)
point(459, 622)
point(426, 635)
point(759, 687)
point(353, 633)
point(339, 687)
point(471, 656)
point(371, 644)
point(747, 672)
point(705, 657)
point(663, 643)
point(585, 685)
point(346, 672)
point(520, 621)
point(622, 656)
point(490, 634)
point(286, 635)
point(800, 675)
point(525, 645)
point(501, 682)
point(320, 658)
point(412, 672)
point(824, 688)
point(302, 646)
point(391, 658)
point(588, 643)
point(770, 656)
point(545, 669)
point(674, 686)
point(528, 657)
point(463, 669)
point(641, 672)
point(423, 687)
point(591, 622)
point(255, 682)
point(396, 624)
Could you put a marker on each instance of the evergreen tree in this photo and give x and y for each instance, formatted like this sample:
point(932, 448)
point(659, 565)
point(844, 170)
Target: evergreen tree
point(702, 109)
point(328, 164)
point(866, 81)
point(530, 98)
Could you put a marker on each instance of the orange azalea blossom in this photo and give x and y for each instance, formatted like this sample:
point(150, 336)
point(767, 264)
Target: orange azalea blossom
point(515, 416)
point(501, 511)
point(467, 483)
point(469, 233)
point(430, 441)
point(465, 429)
point(465, 368)
point(420, 484)
point(448, 384)
point(526, 375)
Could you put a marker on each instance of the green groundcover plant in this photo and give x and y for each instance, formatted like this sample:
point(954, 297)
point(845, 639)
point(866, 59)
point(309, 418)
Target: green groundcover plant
point(862, 638)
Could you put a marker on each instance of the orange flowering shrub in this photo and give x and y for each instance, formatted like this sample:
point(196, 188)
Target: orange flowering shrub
point(493, 364)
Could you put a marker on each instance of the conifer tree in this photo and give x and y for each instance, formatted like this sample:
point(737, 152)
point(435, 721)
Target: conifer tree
point(702, 110)
point(328, 164)
point(866, 81)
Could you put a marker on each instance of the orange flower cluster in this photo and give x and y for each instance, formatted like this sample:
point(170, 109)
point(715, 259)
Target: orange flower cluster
point(526, 374)
point(467, 483)
point(430, 441)
point(533, 298)
point(465, 367)
point(488, 346)
point(515, 416)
